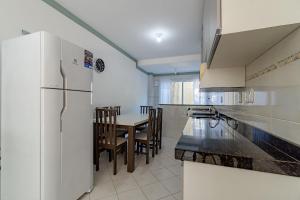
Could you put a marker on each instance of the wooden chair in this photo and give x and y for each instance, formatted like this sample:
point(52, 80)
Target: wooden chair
point(147, 137)
point(159, 128)
point(145, 109)
point(118, 109)
point(107, 135)
point(121, 132)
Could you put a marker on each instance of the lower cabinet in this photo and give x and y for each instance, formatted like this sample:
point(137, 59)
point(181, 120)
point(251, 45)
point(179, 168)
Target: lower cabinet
point(212, 182)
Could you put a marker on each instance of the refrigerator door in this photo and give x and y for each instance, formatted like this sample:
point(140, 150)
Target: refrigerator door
point(51, 76)
point(76, 145)
point(77, 75)
point(51, 107)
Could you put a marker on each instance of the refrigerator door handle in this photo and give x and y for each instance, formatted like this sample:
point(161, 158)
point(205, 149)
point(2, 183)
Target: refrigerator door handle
point(63, 109)
point(64, 95)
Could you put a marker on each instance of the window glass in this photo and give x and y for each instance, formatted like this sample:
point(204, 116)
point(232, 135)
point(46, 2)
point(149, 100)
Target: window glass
point(176, 93)
point(179, 91)
point(188, 95)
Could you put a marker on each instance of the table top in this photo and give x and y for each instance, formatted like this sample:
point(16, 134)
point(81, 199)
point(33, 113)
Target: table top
point(131, 119)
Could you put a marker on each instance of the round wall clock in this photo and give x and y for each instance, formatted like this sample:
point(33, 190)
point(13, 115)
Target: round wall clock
point(100, 66)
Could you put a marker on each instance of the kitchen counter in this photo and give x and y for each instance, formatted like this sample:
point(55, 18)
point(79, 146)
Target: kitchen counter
point(235, 144)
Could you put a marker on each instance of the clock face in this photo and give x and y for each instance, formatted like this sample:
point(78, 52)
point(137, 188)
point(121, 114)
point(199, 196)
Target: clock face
point(100, 66)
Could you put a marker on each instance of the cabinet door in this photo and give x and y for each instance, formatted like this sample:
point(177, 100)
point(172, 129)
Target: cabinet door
point(211, 23)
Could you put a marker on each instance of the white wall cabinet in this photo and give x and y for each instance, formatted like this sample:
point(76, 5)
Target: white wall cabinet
point(221, 77)
point(211, 26)
point(236, 32)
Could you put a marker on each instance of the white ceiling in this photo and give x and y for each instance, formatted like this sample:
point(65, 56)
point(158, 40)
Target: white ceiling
point(132, 24)
point(173, 68)
point(167, 65)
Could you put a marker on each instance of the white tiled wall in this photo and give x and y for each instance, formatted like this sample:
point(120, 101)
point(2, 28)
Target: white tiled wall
point(277, 92)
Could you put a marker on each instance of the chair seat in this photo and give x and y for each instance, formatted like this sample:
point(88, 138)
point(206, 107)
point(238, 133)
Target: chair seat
point(142, 136)
point(120, 141)
point(121, 132)
point(140, 128)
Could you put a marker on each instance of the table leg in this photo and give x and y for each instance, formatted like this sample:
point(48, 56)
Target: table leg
point(131, 145)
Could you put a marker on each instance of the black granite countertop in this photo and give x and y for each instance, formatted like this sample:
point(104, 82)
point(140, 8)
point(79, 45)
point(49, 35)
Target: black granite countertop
point(231, 143)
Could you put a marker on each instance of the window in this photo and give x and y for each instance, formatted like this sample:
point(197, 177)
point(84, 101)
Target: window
point(184, 91)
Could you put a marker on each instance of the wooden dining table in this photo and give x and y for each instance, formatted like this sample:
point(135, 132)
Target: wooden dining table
point(127, 121)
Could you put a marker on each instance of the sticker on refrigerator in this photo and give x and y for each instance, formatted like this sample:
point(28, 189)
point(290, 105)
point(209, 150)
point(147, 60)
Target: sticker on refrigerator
point(88, 59)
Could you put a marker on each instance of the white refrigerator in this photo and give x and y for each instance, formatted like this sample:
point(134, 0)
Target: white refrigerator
point(46, 118)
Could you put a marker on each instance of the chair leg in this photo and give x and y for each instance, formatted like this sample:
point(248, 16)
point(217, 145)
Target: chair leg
point(125, 154)
point(115, 161)
point(109, 156)
point(97, 162)
point(147, 153)
point(141, 148)
point(160, 139)
point(156, 144)
point(153, 147)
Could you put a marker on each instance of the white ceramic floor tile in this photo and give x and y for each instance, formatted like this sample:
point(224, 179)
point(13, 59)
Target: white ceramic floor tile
point(160, 179)
point(113, 197)
point(155, 191)
point(173, 185)
point(145, 178)
point(168, 198)
point(85, 197)
point(101, 176)
point(125, 184)
point(121, 174)
point(178, 196)
point(162, 174)
point(176, 169)
point(102, 190)
point(135, 194)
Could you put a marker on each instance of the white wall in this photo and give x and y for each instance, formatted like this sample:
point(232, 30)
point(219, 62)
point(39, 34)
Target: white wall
point(120, 84)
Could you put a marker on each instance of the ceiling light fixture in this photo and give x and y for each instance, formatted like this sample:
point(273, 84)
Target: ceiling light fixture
point(158, 37)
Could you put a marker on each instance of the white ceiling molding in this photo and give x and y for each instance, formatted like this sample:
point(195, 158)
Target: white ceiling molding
point(171, 65)
point(170, 60)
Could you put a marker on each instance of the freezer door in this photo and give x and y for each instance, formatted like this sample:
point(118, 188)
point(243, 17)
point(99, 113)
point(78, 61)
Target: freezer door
point(51, 107)
point(51, 76)
point(77, 145)
point(76, 75)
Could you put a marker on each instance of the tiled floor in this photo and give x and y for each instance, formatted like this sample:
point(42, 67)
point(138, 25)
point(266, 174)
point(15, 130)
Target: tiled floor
point(161, 179)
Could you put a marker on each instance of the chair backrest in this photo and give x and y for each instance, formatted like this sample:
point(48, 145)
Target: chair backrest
point(145, 109)
point(106, 126)
point(118, 109)
point(151, 122)
point(159, 120)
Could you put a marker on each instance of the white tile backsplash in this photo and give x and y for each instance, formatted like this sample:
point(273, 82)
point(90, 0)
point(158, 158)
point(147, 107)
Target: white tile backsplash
point(277, 92)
